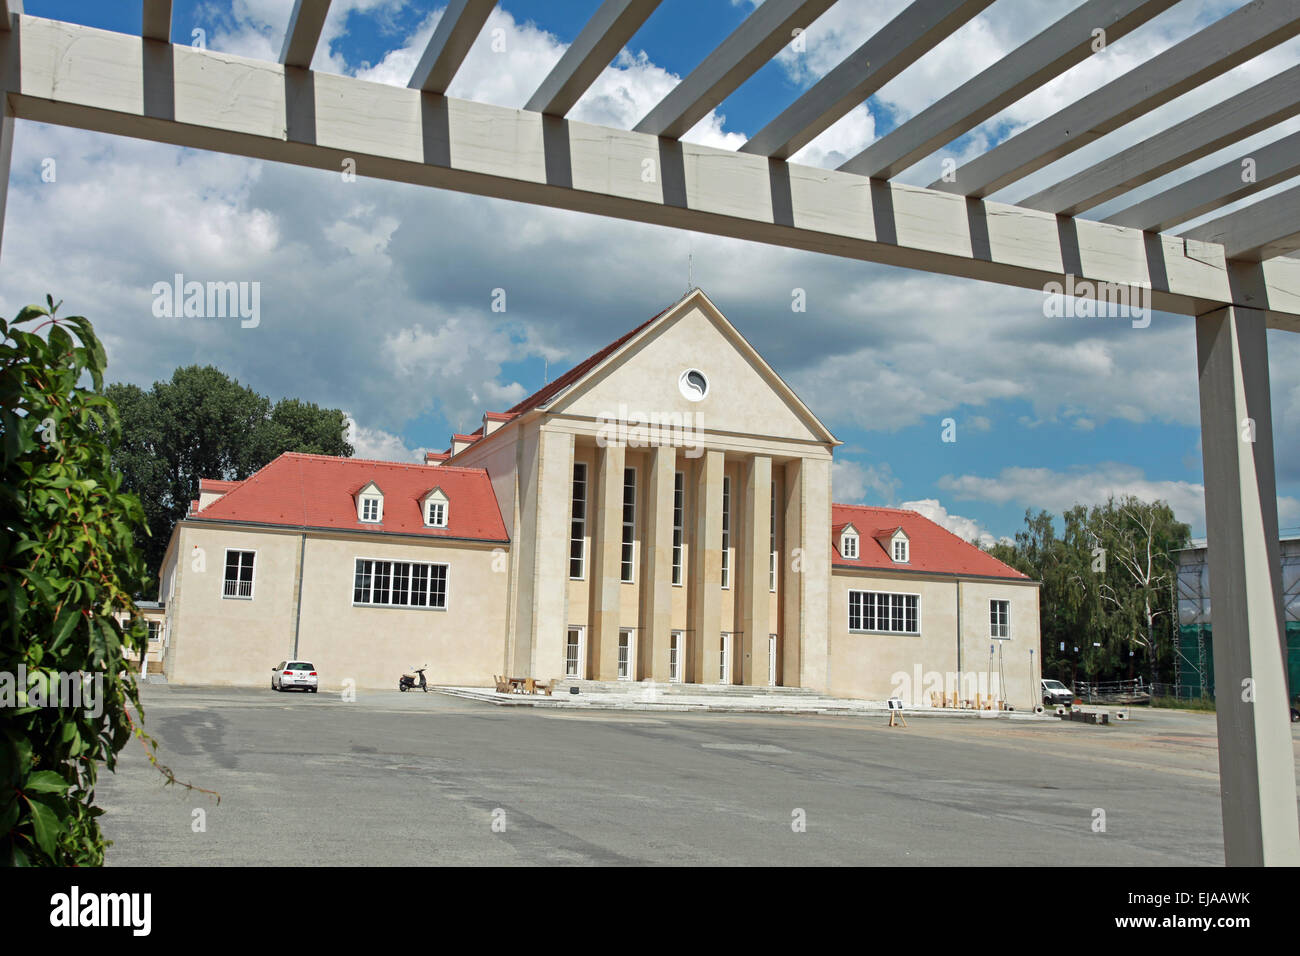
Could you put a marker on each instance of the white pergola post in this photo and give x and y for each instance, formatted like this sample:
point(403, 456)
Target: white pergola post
point(8, 9)
point(1256, 763)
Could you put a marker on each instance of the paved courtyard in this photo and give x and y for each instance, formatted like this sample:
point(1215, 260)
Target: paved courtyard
point(393, 778)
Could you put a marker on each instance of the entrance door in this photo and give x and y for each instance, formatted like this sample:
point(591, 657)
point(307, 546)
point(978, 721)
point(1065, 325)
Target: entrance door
point(675, 657)
point(771, 660)
point(626, 655)
point(575, 663)
point(724, 668)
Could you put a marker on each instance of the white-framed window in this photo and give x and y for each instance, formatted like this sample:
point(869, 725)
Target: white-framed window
point(435, 513)
point(676, 650)
point(238, 581)
point(371, 508)
point(849, 545)
point(900, 551)
point(773, 643)
point(379, 583)
point(626, 654)
point(627, 564)
point(884, 612)
point(771, 544)
point(726, 531)
point(578, 523)
point(679, 524)
point(724, 659)
point(1000, 620)
point(155, 630)
point(574, 663)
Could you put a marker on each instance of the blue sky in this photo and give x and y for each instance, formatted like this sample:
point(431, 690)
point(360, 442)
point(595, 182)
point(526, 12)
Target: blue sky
point(376, 296)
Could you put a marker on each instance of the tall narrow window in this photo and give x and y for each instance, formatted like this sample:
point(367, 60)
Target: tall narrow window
point(573, 653)
point(578, 524)
point(239, 575)
point(726, 532)
point(629, 525)
point(679, 524)
point(1000, 620)
point(625, 654)
point(771, 544)
point(724, 660)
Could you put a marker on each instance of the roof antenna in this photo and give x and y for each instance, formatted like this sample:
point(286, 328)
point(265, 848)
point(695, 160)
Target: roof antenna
point(690, 271)
point(546, 370)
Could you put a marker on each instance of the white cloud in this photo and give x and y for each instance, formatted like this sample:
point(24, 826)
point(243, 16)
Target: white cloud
point(1057, 490)
point(379, 445)
point(968, 529)
point(854, 483)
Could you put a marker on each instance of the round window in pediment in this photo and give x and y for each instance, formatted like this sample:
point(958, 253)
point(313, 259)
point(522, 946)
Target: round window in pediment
point(693, 385)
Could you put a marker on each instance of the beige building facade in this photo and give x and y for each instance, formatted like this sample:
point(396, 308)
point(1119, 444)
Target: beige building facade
point(662, 512)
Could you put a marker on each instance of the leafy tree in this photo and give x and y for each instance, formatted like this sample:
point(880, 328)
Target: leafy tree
point(1106, 580)
point(68, 564)
point(204, 424)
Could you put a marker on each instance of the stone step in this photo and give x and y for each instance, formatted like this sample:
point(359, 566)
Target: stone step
point(639, 688)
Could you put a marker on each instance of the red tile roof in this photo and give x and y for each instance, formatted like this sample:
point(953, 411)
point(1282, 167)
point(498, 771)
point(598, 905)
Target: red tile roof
point(316, 491)
point(217, 485)
point(932, 548)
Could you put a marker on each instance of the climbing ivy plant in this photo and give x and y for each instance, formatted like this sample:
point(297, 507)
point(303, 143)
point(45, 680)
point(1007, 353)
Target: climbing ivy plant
point(69, 565)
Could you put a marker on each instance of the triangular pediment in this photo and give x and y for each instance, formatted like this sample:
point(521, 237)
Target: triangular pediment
point(692, 361)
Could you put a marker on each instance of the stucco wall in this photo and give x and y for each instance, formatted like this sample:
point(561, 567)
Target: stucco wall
point(219, 640)
point(874, 666)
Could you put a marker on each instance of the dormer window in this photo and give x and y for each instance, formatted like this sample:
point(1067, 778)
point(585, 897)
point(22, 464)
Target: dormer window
point(434, 505)
point(900, 550)
point(370, 504)
point(849, 543)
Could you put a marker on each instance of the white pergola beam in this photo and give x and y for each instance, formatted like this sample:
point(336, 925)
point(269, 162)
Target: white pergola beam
point(1256, 757)
point(1238, 37)
point(919, 28)
point(1262, 230)
point(96, 79)
point(1240, 116)
point(733, 61)
point(1255, 170)
point(1064, 44)
point(605, 34)
point(305, 25)
point(456, 32)
point(156, 20)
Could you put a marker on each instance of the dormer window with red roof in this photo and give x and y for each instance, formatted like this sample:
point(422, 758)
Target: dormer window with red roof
point(900, 550)
point(849, 543)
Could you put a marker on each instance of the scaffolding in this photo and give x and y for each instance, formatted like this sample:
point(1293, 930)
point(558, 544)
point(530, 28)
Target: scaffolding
point(1194, 643)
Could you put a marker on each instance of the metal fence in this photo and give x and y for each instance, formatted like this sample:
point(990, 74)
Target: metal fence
point(1133, 691)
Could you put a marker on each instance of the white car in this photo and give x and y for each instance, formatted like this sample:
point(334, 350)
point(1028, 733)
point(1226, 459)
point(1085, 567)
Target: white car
point(1054, 692)
point(294, 674)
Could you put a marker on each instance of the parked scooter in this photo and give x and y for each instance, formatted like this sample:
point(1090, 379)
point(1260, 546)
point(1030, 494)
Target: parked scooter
point(409, 680)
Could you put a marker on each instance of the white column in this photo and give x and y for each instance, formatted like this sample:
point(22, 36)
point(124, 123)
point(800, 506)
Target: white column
point(754, 570)
point(606, 563)
point(1256, 763)
point(657, 564)
point(706, 572)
